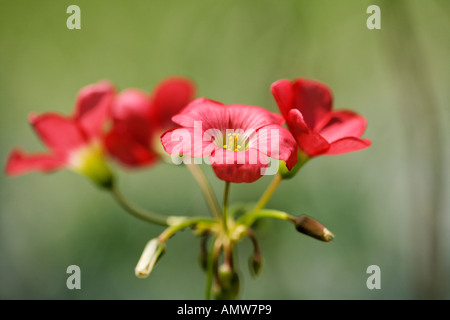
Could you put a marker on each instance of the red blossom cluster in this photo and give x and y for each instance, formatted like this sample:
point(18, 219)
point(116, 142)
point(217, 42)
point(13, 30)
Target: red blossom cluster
point(233, 133)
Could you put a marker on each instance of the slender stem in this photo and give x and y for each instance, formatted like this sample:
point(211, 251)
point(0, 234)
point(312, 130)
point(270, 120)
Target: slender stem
point(136, 211)
point(249, 218)
point(252, 236)
point(225, 206)
point(269, 192)
point(206, 189)
point(182, 224)
point(209, 270)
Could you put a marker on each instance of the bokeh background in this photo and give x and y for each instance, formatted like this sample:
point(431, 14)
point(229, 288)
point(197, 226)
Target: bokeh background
point(387, 205)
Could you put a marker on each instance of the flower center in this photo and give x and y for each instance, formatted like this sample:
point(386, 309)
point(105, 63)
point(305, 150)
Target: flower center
point(235, 142)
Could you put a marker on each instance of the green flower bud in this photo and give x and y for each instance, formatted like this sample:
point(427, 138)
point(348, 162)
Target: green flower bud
point(228, 288)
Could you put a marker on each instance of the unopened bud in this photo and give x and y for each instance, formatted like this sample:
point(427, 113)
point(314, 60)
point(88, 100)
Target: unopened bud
point(313, 228)
point(225, 274)
point(153, 251)
point(228, 288)
point(255, 263)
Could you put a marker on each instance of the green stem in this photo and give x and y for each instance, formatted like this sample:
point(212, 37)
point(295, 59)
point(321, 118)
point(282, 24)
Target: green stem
point(225, 206)
point(249, 218)
point(181, 224)
point(138, 212)
point(206, 189)
point(209, 270)
point(269, 192)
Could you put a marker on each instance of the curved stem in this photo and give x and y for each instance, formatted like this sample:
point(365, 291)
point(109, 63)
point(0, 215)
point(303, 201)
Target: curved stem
point(206, 189)
point(252, 237)
point(183, 223)
point(136, 211)
point(225, 206)
point(249, 218)
point(269, 192)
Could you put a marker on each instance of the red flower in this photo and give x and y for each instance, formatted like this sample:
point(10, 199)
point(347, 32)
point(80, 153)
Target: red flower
point(236, 139)
point(306, 105)
point(139, 120)
point(74, 142)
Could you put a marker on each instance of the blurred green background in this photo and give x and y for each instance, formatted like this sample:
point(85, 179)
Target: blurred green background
point(387, 205)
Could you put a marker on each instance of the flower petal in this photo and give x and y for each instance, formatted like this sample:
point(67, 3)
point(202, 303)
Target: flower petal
point(211, 114)
point(308, 141)
point(284, 95)
point(19, 163)
point(131, 115)
point(128, 151)
point(251, 117)
point(131, 102)
point(314, 100)
point(60, 134)
point(276, 142)
point(346, 145)
point(187, 141)
point(93, 107)
point(343, 124)
point(238, 167)
point(169, 97)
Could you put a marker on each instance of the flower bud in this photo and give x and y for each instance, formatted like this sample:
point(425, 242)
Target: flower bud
point(153, 251)
point(255, 263)
point(312, 228)
point(228, 288)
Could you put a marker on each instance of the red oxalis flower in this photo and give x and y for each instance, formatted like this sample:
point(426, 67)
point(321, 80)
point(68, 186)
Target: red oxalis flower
point(74, 142)
point(306, 105)
point(139, 120)
point(236, 139)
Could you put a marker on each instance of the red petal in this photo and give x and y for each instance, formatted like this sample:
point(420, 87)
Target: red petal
point(131, 102)
point(251, 117)
point(187, 141)
point(93, 107)
point(308, 141)
point(284, 95)
point(131, 114)
point(277, 142)
point(346, 145)
point(169, 97)
point(211, 114)
point(344, 124)
point(314, 100)
point(239, 167)
point(19, 163)
point(60, 134)
point(128, 151)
